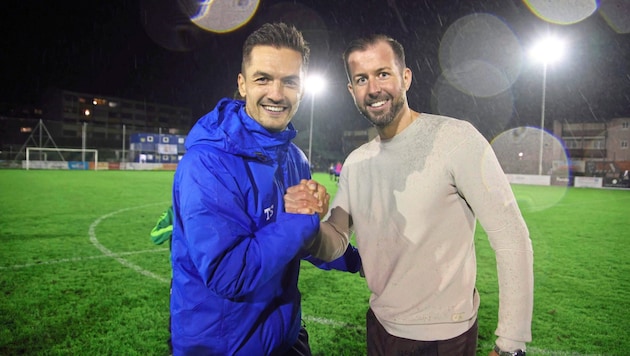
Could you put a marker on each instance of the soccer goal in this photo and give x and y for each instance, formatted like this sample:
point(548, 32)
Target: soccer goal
point(61, 158)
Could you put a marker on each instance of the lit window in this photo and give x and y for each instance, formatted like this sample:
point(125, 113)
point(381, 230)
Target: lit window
point(26, 129)
point(99, 101)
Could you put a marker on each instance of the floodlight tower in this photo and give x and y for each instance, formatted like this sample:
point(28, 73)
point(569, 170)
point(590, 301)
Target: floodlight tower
point(547, 51)
point(314, 84)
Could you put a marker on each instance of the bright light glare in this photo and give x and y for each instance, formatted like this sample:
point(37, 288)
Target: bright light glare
point(548, 50)
point(315, 84)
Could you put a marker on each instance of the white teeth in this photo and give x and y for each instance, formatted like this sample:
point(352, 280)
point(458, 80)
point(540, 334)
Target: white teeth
point(274, 108)
point(378, 104)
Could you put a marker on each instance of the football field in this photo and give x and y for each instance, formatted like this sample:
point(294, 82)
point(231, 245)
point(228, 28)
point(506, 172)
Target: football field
point(80, 275)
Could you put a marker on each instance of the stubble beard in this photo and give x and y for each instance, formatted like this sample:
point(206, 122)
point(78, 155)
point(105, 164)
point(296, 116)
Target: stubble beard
point(386, 118)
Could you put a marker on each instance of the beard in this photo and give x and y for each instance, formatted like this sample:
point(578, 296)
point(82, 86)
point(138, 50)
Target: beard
point(385, 118)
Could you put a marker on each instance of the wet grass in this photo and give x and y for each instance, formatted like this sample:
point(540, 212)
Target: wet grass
point(80, 275)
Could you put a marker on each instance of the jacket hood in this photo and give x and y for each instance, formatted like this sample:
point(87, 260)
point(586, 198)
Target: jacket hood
point(230, 129)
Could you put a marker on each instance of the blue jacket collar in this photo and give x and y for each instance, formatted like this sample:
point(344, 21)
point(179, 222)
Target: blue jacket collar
point(229, 128)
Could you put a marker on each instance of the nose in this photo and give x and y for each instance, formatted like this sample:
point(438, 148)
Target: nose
point(275, 91)
point(373, 86)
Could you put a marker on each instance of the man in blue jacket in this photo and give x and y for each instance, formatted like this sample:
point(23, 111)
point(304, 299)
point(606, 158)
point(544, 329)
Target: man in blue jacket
point(235, 251)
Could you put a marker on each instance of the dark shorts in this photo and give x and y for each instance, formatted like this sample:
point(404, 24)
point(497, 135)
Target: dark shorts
point(381, 343)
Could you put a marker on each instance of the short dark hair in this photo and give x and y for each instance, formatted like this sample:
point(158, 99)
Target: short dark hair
point(279, 35)
point(361, 44)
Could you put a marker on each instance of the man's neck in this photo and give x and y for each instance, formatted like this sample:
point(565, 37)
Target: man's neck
point(397, 126)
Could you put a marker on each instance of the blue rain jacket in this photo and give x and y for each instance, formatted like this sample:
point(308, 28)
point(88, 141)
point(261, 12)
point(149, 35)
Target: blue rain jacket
point(235, 252)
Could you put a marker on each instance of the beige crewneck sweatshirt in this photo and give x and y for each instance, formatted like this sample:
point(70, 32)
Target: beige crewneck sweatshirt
point(413, 202)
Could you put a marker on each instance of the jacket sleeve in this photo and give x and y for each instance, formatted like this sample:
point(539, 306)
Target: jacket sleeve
point(230, 254)
point(350, 261)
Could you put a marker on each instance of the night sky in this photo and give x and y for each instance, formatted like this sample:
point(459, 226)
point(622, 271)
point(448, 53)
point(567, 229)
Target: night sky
point(148, 50)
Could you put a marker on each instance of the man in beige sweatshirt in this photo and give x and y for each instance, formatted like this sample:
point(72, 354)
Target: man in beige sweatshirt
point(413, 195)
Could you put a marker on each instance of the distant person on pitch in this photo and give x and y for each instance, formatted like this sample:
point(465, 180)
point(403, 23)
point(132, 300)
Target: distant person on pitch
point(413, 196)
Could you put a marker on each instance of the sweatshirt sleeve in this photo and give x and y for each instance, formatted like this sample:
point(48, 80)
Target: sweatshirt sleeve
point(231, 255)
point(481, 181)
point(333, 237)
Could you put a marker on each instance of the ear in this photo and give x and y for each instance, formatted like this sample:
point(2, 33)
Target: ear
point(350, 90)
point(241, 84)
point(407, 75)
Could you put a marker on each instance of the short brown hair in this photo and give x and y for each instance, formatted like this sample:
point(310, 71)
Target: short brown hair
point(361, 44)
point(279, 35)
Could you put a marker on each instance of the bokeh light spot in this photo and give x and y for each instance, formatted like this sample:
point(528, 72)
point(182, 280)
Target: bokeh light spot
point(480, 55)
point(490, 115)
point(220, 16)
point(617, 14)
point(563, 12)
point(518, 152)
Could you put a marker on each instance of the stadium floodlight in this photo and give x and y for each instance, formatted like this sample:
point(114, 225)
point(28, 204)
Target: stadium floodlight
point(547, 51)
point(314, 84)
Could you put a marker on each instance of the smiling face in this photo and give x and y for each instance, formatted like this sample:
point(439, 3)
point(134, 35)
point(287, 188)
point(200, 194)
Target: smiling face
point(272, 84)
point(379, 86)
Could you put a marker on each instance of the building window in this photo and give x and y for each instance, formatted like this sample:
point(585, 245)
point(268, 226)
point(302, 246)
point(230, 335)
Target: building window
point(167, 111)
point(625, 125)
point(99, 101)
point(624, 145)
point(573, 144)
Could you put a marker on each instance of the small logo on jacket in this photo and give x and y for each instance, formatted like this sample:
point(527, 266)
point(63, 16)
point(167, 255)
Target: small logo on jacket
point(268, 212)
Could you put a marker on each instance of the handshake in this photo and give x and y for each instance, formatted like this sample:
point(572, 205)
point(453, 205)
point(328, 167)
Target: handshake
point(307, 197)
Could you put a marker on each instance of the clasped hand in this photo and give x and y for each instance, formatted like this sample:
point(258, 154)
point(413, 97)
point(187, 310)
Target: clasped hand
point(307, 197)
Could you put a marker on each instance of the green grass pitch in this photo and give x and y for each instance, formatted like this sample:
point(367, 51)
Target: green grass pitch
point(80, 275)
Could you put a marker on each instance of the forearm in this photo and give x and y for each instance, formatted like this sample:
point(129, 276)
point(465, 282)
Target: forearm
point(333, 237)
point(516, 290)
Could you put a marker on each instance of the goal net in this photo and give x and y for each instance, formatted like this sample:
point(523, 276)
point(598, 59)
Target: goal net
point(61, 158)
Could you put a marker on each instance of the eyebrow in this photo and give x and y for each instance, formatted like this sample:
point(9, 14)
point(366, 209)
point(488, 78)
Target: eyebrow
point(378, 70)
point(267, 75)
point(259, 73)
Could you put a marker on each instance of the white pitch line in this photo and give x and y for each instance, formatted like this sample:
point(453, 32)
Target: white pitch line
point(108, 253)
point(333, 323)
point(115, 256)
point(79, 259)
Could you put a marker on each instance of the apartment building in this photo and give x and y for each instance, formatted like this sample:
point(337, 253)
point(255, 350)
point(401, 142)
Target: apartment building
point(105, 120)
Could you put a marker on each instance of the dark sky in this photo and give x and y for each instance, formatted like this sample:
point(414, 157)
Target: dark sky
point(148, 50)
